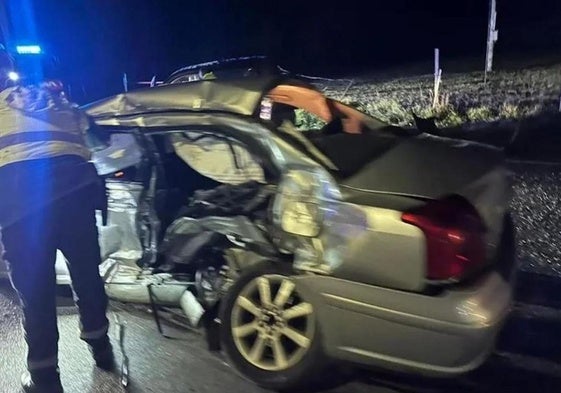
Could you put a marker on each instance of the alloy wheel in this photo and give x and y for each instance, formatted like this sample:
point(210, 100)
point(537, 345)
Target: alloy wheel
point(272, 326)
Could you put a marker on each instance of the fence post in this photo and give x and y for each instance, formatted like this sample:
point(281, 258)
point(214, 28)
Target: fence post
point(346, 90)
point(492, 37)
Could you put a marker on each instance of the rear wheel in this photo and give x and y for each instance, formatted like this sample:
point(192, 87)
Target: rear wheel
point(269, 330)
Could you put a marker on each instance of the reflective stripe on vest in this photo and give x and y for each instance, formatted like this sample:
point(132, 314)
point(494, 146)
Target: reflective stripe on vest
point(39, 136)
point(35, 365)
point(94, 334)
point(37, 150)
point(39, 129)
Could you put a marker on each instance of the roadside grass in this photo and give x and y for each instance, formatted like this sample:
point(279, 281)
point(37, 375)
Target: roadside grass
point(465, 98)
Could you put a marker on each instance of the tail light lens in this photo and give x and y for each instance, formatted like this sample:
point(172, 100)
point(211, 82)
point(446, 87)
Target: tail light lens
point(455, 236)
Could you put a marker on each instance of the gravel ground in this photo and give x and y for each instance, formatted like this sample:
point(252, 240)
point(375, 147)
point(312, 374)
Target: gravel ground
point(537, 214)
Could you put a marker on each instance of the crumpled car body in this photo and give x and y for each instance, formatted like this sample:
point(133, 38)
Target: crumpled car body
point(398, 240)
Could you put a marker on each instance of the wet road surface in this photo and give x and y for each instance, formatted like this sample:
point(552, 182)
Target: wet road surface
point(183, 364)
point(157, 364)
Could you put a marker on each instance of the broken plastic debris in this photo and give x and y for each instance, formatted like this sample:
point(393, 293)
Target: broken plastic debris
point(192, 308)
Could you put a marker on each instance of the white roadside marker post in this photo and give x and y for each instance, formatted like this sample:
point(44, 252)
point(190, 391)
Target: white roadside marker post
point(437, 79)
point(492, 37)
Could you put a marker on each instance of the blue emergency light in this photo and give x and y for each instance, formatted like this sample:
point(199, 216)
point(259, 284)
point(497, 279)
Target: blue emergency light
point(29, 50)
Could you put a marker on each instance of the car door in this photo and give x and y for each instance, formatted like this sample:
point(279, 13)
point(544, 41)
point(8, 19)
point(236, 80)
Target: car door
point(126, 166)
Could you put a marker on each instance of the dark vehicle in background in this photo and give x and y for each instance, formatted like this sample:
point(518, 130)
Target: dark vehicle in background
point(248, 66)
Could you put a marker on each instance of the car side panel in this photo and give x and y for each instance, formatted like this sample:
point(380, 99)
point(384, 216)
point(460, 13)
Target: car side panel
point(441, 335)
point(490, 196)
point(388, 252)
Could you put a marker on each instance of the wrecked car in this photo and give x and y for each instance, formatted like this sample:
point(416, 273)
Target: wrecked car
point(353, 241)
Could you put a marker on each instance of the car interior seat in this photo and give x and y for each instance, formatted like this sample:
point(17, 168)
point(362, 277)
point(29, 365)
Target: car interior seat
point(177, 185)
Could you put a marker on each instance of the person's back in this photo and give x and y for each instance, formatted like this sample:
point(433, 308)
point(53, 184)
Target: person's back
point(48, 199)
point(42, 150)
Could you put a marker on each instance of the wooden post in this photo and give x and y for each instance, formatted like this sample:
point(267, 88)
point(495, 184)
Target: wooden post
point(492, 36)
point(346, 90)
point(437, 78)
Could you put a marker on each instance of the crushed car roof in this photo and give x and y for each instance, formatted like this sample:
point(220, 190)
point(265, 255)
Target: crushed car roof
point(240, 96)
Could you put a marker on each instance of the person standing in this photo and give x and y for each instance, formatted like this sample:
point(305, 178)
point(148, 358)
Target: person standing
point(49, 193)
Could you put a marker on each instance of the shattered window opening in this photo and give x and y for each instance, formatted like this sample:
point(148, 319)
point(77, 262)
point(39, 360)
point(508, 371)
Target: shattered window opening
point(121, 155)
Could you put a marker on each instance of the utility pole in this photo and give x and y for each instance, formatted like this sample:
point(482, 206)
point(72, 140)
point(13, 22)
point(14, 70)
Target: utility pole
point(492, 36)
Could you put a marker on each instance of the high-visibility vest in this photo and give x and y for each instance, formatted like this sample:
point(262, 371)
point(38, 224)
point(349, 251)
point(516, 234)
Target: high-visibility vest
point(51, 131)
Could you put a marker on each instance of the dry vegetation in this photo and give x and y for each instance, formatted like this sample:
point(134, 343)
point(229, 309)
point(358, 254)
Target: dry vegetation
point(465, 98)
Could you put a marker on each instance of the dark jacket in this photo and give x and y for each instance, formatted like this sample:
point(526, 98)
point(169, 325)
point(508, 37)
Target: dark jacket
point(28, 186)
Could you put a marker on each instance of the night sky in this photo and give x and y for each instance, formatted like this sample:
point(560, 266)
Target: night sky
point(98, 40)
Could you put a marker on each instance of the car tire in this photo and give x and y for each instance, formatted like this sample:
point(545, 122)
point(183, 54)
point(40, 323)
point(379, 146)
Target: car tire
point(253, 335)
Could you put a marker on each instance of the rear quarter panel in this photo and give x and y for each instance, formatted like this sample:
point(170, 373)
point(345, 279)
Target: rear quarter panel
point(490, 195)
point(387, 253)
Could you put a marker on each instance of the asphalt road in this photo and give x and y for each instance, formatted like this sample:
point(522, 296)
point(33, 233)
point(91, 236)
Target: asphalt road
point(157, 364)
point(183, 364)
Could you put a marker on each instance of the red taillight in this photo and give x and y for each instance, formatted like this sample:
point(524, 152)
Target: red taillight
point(455, 237)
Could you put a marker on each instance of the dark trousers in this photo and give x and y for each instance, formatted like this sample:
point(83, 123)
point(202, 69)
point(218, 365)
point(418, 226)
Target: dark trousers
point(67, 224)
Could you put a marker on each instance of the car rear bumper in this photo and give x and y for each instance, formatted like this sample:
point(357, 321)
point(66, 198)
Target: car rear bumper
point(436, 336)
